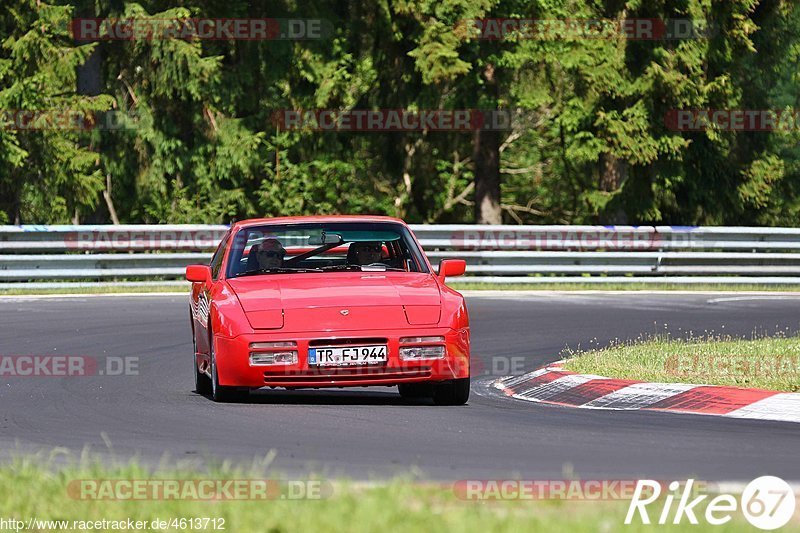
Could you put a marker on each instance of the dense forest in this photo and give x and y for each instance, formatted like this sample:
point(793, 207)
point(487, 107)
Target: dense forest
point(174, 127)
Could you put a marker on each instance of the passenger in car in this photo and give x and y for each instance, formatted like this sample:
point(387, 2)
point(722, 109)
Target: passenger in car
point(364, 253)
point(269, 254)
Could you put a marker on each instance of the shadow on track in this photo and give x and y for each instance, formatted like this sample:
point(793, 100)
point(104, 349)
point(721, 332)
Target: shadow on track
point(327, 397)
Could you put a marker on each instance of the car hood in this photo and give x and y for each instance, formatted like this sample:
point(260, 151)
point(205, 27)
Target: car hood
point(306, 302)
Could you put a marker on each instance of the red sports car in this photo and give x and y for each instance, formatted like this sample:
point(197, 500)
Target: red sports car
point(335, 301)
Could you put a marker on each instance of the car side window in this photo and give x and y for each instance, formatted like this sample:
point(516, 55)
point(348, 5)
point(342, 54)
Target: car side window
point(216, 259)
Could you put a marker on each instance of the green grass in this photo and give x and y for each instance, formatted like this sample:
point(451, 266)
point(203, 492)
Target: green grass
point(712, 287)
point(143, 289)
point(763, 362)
point(34, 487)
point(457, 285)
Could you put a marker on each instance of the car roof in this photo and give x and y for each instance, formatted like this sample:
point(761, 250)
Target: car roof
point(315, 218)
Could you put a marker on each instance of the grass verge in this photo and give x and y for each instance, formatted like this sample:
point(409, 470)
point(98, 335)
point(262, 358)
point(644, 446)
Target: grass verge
point(771, 363)
point(137, 289)
point(457, 285)
point(710, 287)
point(30, 490)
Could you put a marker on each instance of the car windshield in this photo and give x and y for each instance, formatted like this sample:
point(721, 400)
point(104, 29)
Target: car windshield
point(324, 247)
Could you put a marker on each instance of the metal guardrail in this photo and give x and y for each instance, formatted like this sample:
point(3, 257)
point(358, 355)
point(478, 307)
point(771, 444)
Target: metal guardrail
point(494, 254)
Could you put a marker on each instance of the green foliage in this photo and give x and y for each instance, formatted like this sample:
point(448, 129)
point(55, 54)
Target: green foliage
point(591, 143)
point(46, 175)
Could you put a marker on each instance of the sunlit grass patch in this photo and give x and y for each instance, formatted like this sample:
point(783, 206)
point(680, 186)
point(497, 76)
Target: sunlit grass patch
point(463, 284)
point(38, 488)
point(764, 362)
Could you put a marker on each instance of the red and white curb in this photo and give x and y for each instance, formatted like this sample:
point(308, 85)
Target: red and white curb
point(554, 385)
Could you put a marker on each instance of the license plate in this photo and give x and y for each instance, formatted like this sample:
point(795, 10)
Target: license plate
point(347, 355)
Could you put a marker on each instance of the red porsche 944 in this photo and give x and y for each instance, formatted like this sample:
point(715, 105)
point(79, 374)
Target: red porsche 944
point(338, 301)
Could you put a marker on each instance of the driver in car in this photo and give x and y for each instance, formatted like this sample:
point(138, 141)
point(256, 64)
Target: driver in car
point(364, 253)
point(269, 254)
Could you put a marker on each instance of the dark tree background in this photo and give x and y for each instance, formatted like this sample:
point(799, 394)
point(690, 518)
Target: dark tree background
point(589, 143)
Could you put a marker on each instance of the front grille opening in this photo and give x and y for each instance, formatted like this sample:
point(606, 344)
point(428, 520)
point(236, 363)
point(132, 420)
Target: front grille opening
point(347, 342)
point(332, 376)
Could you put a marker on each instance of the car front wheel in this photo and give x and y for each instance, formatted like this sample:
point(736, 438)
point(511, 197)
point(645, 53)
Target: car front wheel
point(219, 393)
point(202, 384)
point(412, 391)
point(455, 392)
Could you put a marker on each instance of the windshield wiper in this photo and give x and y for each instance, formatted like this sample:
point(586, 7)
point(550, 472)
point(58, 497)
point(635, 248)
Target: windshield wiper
point(377, 267)
point(340, 267)
point(276, 270)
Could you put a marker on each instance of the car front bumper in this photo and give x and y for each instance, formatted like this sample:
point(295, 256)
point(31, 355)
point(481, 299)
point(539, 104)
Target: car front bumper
point(235, 370)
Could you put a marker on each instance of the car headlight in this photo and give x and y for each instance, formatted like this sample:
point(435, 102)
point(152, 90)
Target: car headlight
point(276, 358)
point(270, 346)
point(273, 353)
point(426, 348)
point(421, 340)
point(422, 352)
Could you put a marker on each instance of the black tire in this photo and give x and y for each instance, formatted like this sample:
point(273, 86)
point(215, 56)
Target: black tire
point(219, 393)
point(455, 392)
point(412, 391)
point(202, 383)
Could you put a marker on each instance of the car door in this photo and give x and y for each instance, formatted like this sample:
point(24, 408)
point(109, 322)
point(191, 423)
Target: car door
point(201, 301)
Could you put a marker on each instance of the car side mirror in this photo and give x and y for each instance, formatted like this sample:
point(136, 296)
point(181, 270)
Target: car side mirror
point(451, 267)
point(198, 273)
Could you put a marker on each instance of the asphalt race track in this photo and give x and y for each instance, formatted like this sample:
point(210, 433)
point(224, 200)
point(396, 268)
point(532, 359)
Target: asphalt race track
point(368, 433)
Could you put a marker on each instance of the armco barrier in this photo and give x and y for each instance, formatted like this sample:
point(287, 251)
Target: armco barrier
point(494, 254)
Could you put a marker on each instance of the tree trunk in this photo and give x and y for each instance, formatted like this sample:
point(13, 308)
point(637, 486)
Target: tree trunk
point(89, 81)
point(613, 173)
point(486, 155)
point(109, 201)
point(90, 74)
